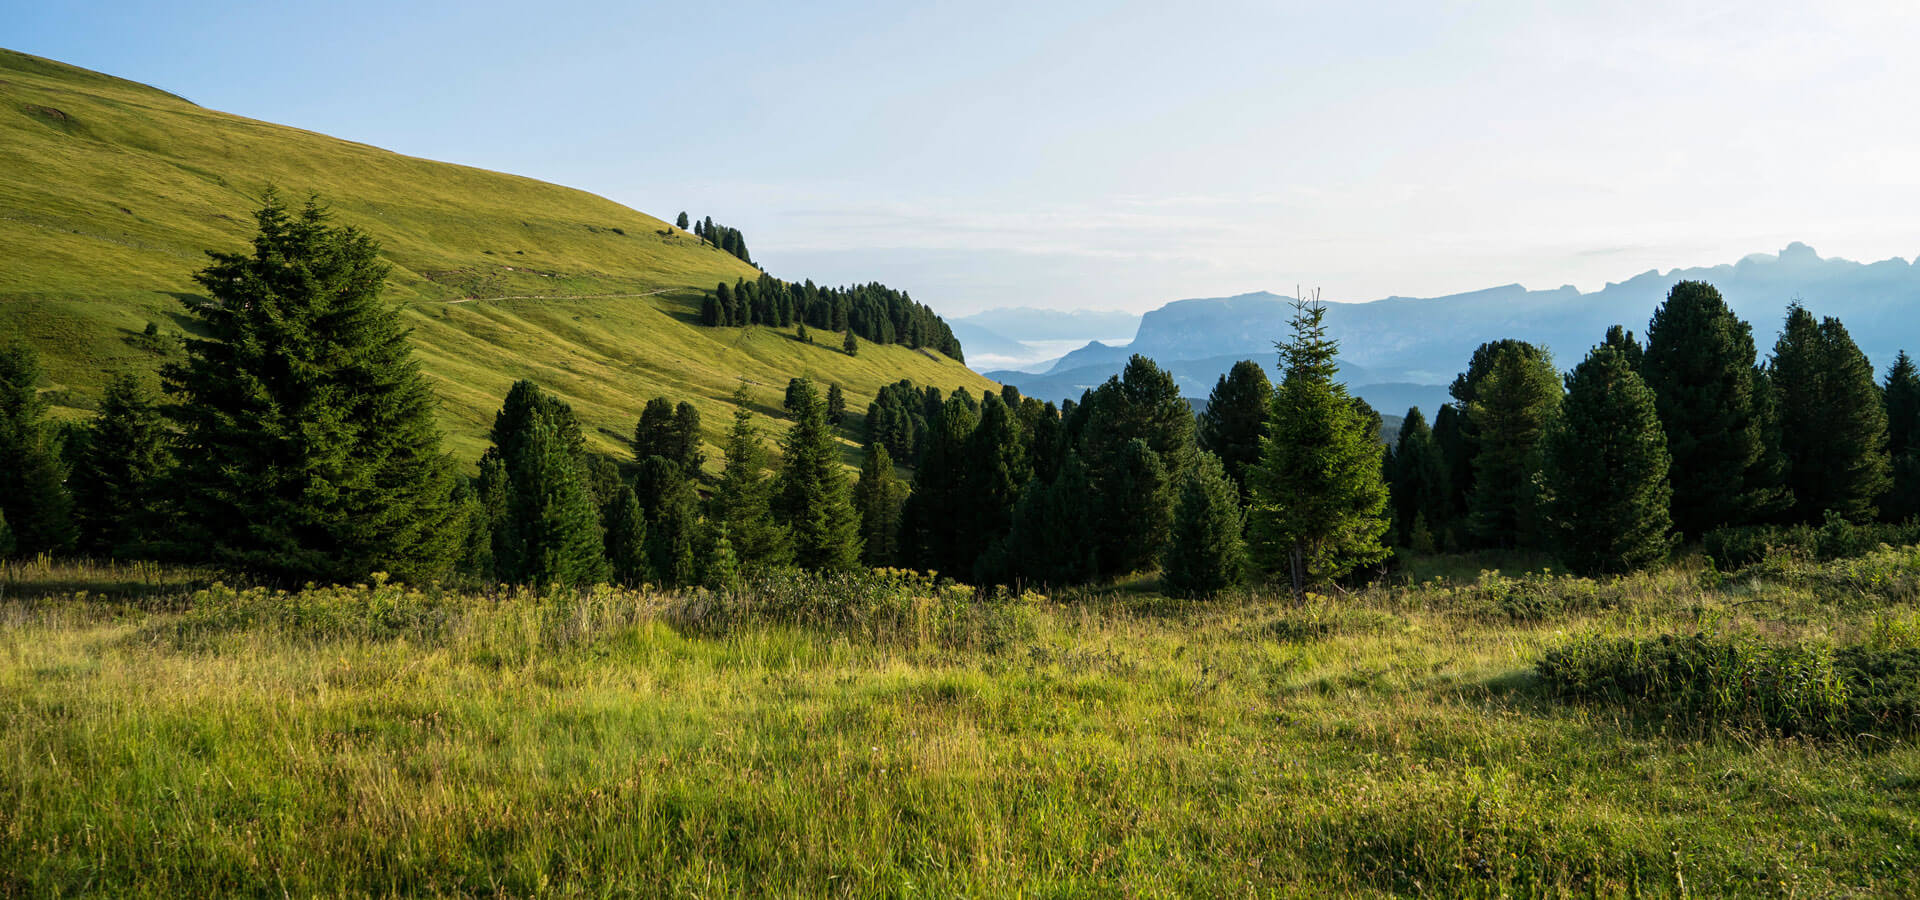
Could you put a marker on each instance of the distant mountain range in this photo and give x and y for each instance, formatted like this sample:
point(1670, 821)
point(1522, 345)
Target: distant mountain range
point(1020, 337)
point(1403, 351)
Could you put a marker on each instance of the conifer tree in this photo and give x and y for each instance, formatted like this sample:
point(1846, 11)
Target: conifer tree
point(1455, 453)
point(811, 494)
point(6, 537)
point(1514, 403)
point(1902, 392)
point(671, 505)
point(549, 531)
point(1319, 508)
point(625, 527)
point(681, 222)
point(1607, 493)
point(1205, 554)
point(474, 519)
point(655, 434)
point(684, 440)
point(721, 569)
point(711, 314)
point(879, 496)
point(851, 345)
point(1129, 515)
point(993, 469)
point(836, 405)
point(307, 440)
point(1833, 421)
point(1700, 365)
point(934, 515)
point(33, 497)
point(741, 501)
point(1619, 338)
point(1235, 419)
point(120, 468)
point(801, 334)
point(1418, 485)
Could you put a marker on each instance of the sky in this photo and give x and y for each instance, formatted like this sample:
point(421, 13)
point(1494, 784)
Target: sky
point(1112, 155)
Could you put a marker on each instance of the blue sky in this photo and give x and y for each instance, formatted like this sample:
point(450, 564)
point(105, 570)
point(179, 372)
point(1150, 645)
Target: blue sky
point(1112, 155)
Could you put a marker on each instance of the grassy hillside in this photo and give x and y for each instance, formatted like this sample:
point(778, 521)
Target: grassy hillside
point(1392, 742)
point(111, 192)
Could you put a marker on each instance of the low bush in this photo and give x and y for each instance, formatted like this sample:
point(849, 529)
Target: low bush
point(1533, 597)
point(1837, 538)
point(1708, 680)
point(888, 605)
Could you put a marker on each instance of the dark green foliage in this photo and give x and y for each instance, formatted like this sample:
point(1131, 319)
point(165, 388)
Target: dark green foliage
point(1131, 504)
point(1700, 365)
point(851, 345)
point(475, 520)
point(897, 417)
point(1623, 341)
point(549, 527)
point(1606, 469)
point(625, 527)
point(836, 406)
point(993, 470)
point(1205, 554)
point(811, 494)
point(32, 496)
point(1236, 419)
point(1052, 541)
point(672, 508)
point(1704, 682)
point(879, 496)
point(1833, 421)
point(711, 312)
point(307, 441)
point(866, 312)
point(800, 334)
point(1739, 546)
point(720, 566)
point(1456, 462)
point(935, 516)
point(1514, 403)
point(727, 239)
point(681, 222)
point(1319, 509)
point(6, 536)
point(670, 432)
point(120, 468)
point(741, 501)
point(1418, 483)
point(1902, 393)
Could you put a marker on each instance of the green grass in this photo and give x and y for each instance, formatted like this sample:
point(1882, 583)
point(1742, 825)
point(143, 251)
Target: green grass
point(379, 740)
point(113, 191)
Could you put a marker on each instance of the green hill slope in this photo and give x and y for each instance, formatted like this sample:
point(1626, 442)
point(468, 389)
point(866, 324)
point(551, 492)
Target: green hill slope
point(111, 192)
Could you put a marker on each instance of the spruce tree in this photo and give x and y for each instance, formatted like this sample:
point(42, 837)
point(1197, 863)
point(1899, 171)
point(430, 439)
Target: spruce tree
point(1607, 494)
point(474, 519)
point(119, 474)
point(1833, 421)
point(801, 334)
point(935, 514)
point(681, 222)
point(672, 508)
point(836, 405)
point(1455, 453)
point(307, 439)
point(1514, 403)
point(684, 445)
point(721, 568)
point(1130, 518)
point(33, 497)
point(1902, 392)
point(741, 501)
point(811, 495)
point(1619, 338)
point(549, 531)
point(851, 345)
point(710, 311)
point(1236, 419)
point(993, 469)
point(1418, 482)
point(625, 527)
point(1699, 364)
point(655, 434)
point(1319, 509)
point(1205, 554)
point(879, 496)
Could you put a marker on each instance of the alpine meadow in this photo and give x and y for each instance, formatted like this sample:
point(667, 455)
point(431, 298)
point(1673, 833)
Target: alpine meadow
point(377, 526)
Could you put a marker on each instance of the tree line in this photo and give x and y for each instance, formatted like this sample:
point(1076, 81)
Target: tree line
point(721, 236)
point(873, 312)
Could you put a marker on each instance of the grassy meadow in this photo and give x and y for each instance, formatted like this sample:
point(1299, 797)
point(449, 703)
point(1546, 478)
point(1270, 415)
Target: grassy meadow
point(116, 190)
point(162, 734)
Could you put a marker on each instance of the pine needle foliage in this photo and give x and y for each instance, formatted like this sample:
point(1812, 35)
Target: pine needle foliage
point(1235, 419)
point(811, 496)
point(549, 529)
point(1205, 554)
point(1833, 420)
point(1607, 496)
point(32, 496)
point(120, 471)
point(307, 439)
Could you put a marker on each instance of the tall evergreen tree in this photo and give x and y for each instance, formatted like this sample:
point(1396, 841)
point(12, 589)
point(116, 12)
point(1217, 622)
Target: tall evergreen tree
point(811, 494)
point(836, 405)
point(741, 501)
point(1418, 484)
point(935, 515)
point(549, 532)
point(1319, 509)
point(681, 222)
point(33, 497)
point(1130, 518)
point(879, 496)
point(119, 474)
point(685, 445)
point(1619, 338)
point(1700, 365)
point(1833, 421)
point(307, 439)
point(1607, 494)
point(672, 509)
point(625, 527)
point(1902, 392)
point(1236, 419)
point(851, 345)
point(1514, 403)
point(1450, 444)
point(657, 433)
point(1205, 554)
point(993, 470)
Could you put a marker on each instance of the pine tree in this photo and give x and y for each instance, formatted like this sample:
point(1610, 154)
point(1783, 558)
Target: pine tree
point(1447, 526)
point(307, 439)
point(1902, 394)
point(934, 512)
point(741, 501)
point(836, 405)
point(684, 439)
point(1131, 511)
point(1205, 554)
point(1700, 365)
point(549, 530)
point(721, 571)
point(1607, 493)
point(655, 434)
point(879, 496)
point(120, 469)
point(800, 334)
point(711, 314)
point(850, 345)
point(1418, 485)
point(474, 520)
point(1236, 419)
point(672, 509)
point(32, 496)
point(1619, 338)
point(810, 493)
point(1833, 421)
point(681, 222)
point(1319, 509)
point(1515, 402)
point(625, 528)
point(993, 469)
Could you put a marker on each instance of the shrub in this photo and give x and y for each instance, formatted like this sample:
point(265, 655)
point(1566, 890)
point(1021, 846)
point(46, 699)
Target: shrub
point(1533, 597)
point(1742, 546)
point(887, 605)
